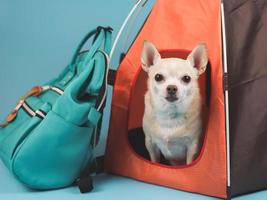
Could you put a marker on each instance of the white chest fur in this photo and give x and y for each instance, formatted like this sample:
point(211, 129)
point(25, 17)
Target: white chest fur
point(171, 129)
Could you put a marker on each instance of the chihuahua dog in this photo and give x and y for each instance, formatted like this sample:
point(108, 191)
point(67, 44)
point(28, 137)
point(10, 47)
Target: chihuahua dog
point(172, 118)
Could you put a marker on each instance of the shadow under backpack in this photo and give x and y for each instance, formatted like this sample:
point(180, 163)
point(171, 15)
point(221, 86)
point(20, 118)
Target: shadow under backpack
point(47, 140)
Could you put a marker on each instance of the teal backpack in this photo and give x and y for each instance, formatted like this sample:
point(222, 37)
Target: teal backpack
point(47, 141)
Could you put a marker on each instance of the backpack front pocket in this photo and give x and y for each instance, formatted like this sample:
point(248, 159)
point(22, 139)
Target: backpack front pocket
point(54, 154)
point(15, 133)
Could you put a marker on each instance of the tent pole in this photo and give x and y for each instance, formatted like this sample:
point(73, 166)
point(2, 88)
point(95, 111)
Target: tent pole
point(124, 24)
point(226, 98)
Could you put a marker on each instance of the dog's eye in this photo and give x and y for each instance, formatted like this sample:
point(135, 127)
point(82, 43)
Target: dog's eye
point(186, 79)
point(159, 77)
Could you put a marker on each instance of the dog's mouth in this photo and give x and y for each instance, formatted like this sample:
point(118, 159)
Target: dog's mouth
point(171, 98)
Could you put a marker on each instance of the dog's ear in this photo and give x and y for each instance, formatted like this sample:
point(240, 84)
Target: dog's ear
point(150, 55)
point(198, 58)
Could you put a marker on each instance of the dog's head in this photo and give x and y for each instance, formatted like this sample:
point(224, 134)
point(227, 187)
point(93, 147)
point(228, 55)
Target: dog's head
point(173, 80)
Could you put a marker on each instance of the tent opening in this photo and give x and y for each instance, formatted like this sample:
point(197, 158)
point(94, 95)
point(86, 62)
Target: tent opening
point(136, 137)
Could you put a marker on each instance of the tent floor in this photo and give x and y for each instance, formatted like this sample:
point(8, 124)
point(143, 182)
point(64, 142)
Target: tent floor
point(106, 187)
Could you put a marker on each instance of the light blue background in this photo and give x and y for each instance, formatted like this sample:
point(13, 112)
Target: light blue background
point(37, 39)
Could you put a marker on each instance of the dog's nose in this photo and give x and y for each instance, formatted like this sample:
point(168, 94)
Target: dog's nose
point(172, 89)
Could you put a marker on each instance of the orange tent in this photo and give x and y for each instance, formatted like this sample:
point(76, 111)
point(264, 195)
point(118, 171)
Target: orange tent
point(175, 27)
